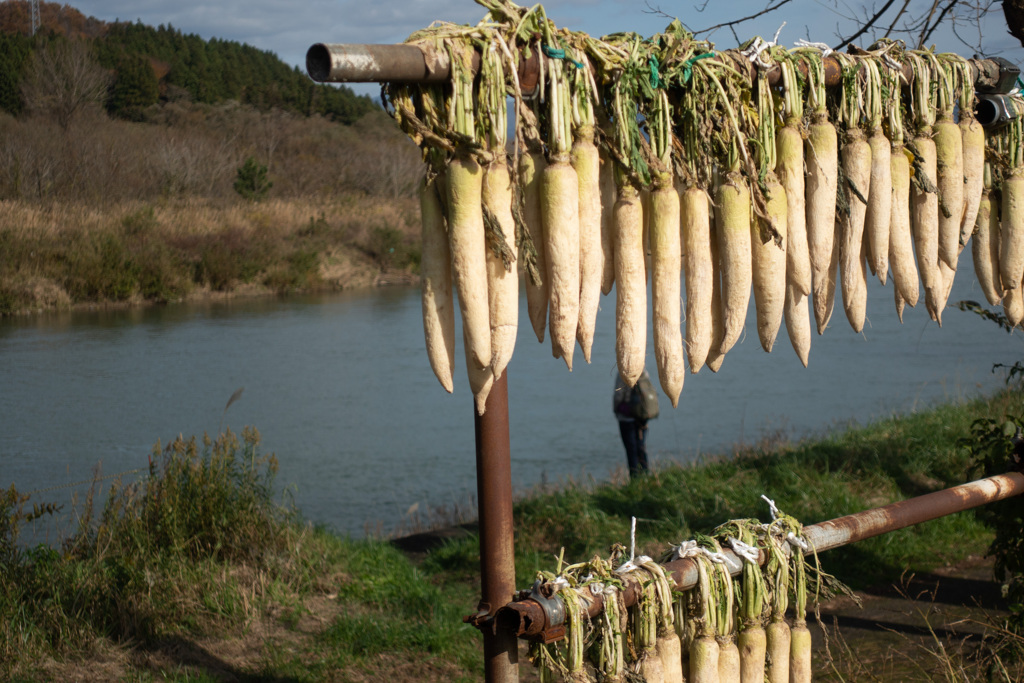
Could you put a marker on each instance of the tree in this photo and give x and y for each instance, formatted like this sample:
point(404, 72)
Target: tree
point(63, 79)
point(251, 180)
point(135, 87)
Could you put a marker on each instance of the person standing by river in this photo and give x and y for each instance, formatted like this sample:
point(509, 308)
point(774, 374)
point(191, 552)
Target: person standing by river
point(633, 407)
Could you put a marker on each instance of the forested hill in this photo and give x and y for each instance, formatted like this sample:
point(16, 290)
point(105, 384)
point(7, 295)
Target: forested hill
point(150, 65)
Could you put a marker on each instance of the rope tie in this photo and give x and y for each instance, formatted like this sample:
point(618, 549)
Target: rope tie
point(688, 65)
point(559, 53)
point(748, 552)
point(825, 49)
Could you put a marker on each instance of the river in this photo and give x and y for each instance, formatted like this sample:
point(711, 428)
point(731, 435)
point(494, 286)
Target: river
point(340, 389)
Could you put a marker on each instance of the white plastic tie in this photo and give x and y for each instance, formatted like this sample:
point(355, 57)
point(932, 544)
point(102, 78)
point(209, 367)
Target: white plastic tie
point(717, 558)
point(825, 49)
point(687, 549)
point(747, 552)
point(771, 507)
point(753, 53)
point(626, 567)
point(798, 542)
point(558, 584)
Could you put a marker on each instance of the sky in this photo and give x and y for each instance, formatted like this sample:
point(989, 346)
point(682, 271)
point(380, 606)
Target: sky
point(289, 28)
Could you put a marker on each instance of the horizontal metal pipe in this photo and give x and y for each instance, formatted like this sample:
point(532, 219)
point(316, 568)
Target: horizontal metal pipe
point(530, 620)
point(353, 63)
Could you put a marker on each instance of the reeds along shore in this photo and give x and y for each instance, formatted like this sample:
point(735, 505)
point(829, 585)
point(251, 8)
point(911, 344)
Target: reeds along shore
point(58, 255)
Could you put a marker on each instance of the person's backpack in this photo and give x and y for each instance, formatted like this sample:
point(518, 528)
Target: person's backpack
point(643, 399)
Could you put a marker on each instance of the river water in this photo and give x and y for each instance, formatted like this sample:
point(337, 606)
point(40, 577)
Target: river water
point(340, 389)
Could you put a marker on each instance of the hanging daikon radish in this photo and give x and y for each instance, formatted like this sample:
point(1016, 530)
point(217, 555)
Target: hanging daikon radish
point(800, 637)
point(1013, 306)
point(587, 163)
point(502, 275)
point(608, 195)
point(666, 256)
point(531, 167)
point(436, 283)
point(924, 201)
point(798, 322)
point(899, 302)
point(732, 199)
point(901, 242)
point(777, 577)
point(732, 218)
point(1011, 231)
point(559, 207)
point(435, 259)
point(790, 171)
point(611, 665)
point(856, 159)
point(699, 241)
point(630, 267)
point(821, 155)
point(973, 136)
point(630, 285)
point(669, 664)
point(823, 308)
point(729, 656)
point(715, 356)
point(985, 245)
point(704, 649)
point(769, 233)
point(698, 269)
point(949, 159)
point(466, 231)
point(879, 209)
point(753, 597)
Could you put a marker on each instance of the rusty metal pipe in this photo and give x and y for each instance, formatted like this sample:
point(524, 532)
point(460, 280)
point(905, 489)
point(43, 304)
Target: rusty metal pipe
point(497, 553)
point(344, 63)
point(531, 619)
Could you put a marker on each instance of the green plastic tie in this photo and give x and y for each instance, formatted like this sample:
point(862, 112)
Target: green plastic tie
point(655, 80)
point(559, 53)
point(688, 65)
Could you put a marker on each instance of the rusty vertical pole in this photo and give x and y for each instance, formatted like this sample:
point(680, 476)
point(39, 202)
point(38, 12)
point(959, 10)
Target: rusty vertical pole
point(497, 557)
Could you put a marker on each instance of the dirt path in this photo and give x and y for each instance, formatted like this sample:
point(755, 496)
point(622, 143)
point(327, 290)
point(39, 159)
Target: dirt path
point(913, 630)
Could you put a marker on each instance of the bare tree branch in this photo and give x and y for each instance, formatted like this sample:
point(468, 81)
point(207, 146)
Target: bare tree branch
point(771, 7)
point(898, 15)
point(863, 29)
point(931, 13)
point(942, 15)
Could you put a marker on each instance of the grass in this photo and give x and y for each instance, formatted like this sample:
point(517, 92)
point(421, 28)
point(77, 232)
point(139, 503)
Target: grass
point(61, 254)
point(197, 573)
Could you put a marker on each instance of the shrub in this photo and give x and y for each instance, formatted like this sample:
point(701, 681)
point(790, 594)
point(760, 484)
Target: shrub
point(998, 447)
point(251, 180)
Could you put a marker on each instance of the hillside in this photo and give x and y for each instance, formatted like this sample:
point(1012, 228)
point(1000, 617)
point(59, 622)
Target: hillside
point(140, 164)
point(152, 65)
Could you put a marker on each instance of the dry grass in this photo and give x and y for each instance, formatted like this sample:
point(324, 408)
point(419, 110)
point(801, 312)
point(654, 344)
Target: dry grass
point(59, 254)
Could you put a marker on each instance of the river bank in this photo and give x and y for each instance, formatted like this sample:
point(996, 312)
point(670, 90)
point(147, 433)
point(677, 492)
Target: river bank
point(62, 255)
point(291, 602)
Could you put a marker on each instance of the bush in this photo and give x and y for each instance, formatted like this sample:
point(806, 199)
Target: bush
point(251, 180)
point(998, 448)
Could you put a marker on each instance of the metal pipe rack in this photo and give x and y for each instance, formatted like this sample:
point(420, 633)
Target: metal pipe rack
point(501, 619)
